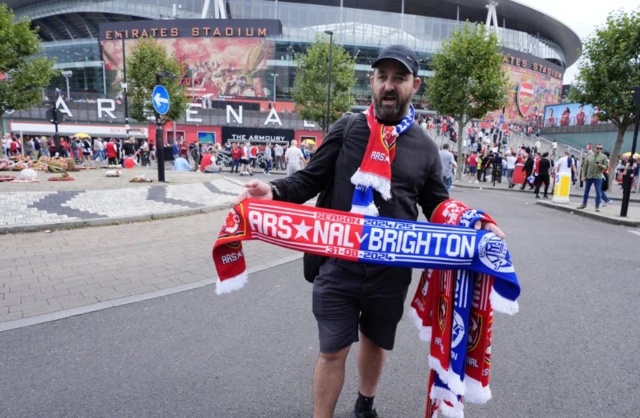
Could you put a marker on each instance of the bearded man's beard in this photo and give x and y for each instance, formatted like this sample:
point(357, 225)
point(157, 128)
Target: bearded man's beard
point(388, 111)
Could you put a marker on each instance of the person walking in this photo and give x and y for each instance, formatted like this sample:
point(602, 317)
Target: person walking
point(544, 168)
point(591, 175)
point(236, 154)
point(528, 170)
point(279, 153)
point(359, 301)
point(448, 166)
point(473, 167)
point(267, 158)
point(98, 150)
point(294, 158)
point(112, 152)
point(511, 166)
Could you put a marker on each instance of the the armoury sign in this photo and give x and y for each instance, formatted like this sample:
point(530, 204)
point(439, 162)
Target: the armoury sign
point(257, 135)
point(191, 28)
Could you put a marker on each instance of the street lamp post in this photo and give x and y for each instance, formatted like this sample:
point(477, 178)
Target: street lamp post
point(627, 182)
point(124, 85)
point(66, 75)
point(275, 75)
point(328, 32)
point(159, 132)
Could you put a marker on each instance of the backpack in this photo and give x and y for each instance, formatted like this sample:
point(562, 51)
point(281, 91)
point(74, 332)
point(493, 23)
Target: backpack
point(311, 262)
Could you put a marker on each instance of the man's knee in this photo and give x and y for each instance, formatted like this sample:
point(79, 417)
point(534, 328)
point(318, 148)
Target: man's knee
point(335, 357)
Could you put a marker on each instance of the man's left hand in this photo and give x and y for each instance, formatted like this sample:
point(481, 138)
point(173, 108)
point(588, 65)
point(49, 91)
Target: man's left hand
point(488, 226)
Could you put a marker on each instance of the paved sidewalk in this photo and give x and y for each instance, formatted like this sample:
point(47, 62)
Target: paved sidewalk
point(576, 192)
point(67, 273)
point(23, 211)
point(609, 214)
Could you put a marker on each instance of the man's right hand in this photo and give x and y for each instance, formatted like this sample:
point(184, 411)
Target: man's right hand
point(255, 189)
point(583, 179)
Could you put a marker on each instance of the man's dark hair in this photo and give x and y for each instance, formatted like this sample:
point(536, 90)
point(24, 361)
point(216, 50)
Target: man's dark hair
point(545, 155)
point(445, 146)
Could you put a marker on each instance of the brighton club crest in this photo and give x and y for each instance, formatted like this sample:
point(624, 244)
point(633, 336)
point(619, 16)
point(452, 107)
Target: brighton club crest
point(525, 97)
point(493, 253)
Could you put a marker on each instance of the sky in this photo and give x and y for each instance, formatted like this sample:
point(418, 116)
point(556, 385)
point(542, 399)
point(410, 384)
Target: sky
point(580, 15)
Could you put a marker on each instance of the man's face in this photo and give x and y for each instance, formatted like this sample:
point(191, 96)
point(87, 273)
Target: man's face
point(393, 88)
point(598, 148)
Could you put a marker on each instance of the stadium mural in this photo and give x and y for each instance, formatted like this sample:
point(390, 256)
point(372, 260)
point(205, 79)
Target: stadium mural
point(533, 86)
point(230, 67)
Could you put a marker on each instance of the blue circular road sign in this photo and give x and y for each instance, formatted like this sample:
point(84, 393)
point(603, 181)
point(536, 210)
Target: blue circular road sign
point(160, 100)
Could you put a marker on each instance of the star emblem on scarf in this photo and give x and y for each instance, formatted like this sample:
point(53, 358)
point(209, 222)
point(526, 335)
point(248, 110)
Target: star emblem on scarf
point(302, 229)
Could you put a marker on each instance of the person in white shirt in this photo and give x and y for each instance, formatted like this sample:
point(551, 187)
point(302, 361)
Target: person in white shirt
point(98, 149)
point(278, 163)
point(511, 166)
point(293, 158)
point(554, 147)
point(565, 164)
point(537, 146)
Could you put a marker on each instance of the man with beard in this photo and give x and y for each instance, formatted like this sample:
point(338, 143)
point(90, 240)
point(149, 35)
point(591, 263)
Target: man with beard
point(349, 295)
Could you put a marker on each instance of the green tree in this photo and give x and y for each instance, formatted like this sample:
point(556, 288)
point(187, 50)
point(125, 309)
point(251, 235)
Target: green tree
point(147, 58)
point(310, 88)
point(469, 80)
point(24, 72)
point(609, 66)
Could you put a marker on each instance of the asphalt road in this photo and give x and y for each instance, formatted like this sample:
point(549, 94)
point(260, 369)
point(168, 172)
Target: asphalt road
point(570, 352)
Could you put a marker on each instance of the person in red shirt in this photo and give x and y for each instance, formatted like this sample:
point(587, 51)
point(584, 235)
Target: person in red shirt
point(566, 117)
point(594, 116)
point(112, 152)
point(580, 117)
point(551, 121)
point(236, 153)
point(473, 166)
point(254, 156)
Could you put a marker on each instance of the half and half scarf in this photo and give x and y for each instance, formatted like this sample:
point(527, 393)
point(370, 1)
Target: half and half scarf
point(466, 273)
point(374, 172)
point(453, 310)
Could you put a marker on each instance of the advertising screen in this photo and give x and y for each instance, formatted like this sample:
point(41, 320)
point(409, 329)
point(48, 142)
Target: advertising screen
point(571, 114)
point(230, 67)
point(207, 137)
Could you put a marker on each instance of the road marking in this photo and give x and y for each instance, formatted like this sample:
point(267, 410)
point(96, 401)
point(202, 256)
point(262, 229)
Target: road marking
point(635, 232)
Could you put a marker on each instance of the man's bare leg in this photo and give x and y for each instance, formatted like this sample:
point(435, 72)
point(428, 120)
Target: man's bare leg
point(328, 379)
point(370, 364)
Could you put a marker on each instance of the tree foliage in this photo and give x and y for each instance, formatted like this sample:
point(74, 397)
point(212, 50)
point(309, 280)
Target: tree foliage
point(469, 80)
point(310, 88)
point(23, 71)
point(609, 66)
point(146, 59)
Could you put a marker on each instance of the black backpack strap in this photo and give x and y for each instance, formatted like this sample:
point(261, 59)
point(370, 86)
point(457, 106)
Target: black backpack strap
point(347, 128)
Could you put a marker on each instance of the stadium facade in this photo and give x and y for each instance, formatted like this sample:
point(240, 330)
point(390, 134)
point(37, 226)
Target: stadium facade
point(241, 51)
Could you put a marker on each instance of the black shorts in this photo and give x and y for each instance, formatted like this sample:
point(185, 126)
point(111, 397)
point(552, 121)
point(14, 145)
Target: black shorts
point(244, 161)
point(348, 294)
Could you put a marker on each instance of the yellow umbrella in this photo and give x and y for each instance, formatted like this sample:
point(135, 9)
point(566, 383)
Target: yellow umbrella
point(82, 136)
point(628, 154)
point(310, 142)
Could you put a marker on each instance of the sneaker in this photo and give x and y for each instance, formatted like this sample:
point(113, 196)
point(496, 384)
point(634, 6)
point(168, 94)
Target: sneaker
point(605, 204)
point(356, 414)
point(582, 206)
point(476, 181)
point(597, 209)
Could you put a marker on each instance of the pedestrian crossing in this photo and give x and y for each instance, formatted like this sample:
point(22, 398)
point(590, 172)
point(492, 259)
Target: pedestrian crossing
point(635, 231)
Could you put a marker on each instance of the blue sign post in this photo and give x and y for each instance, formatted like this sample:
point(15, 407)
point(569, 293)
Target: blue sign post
point(160, 100)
